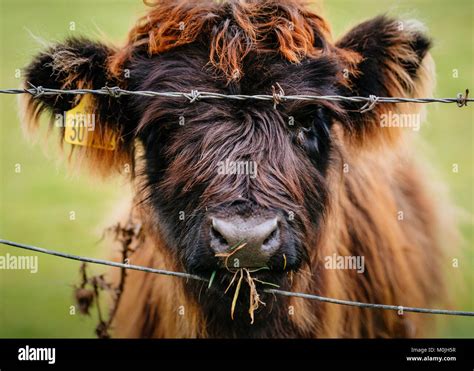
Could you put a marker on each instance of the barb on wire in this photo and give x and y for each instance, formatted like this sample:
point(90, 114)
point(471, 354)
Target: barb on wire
point(35, 91)
point(271, 291)
point(369, 106)
point(277, 97)
point(463, 99)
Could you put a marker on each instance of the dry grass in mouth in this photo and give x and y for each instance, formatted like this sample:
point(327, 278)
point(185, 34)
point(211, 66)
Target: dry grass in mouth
point(244, 274)
point(233, 249)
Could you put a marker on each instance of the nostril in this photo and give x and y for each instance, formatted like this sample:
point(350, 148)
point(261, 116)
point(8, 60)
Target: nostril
point(271, 237)
point(217, 236)
point(272, 241)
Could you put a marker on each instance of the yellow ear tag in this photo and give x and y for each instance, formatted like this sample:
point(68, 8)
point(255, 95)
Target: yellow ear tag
point(80, 127)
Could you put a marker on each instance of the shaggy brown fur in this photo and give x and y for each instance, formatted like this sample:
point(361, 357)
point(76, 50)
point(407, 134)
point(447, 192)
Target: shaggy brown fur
point(343, 176)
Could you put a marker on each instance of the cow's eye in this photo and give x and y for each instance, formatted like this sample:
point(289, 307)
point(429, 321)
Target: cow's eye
point(313, 131)
point(307, 137)
point(304, 133)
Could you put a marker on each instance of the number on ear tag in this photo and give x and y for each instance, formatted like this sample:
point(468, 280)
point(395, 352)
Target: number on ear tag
point(80, 127)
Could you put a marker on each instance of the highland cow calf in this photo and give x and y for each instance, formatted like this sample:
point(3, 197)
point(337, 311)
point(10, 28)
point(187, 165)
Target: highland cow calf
point(327, 181)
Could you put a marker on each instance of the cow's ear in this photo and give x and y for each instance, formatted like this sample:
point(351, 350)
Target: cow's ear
point(385, 57)
point(100, 132)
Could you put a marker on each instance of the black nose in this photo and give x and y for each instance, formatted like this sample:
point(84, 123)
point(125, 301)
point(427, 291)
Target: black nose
point(247, 242)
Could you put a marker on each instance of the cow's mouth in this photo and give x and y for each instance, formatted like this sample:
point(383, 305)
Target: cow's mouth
point(243, 258)
point(243, 289)
point(241, 278)
point(238, 281)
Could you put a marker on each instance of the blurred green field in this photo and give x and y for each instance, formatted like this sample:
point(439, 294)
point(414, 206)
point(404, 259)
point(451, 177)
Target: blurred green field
point(35, 203)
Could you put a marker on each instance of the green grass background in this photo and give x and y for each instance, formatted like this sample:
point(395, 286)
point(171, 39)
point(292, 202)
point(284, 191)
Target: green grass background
point(35, 204)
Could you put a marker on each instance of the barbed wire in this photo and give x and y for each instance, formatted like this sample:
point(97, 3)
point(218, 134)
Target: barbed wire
point(268, 290)
point(277, 96)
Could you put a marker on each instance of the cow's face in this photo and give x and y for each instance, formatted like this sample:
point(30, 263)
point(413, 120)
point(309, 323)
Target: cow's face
point(235, 184)
point(230, 174)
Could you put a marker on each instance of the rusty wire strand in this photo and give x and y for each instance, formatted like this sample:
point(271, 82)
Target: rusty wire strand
point(277, 97)
point(271, 291)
